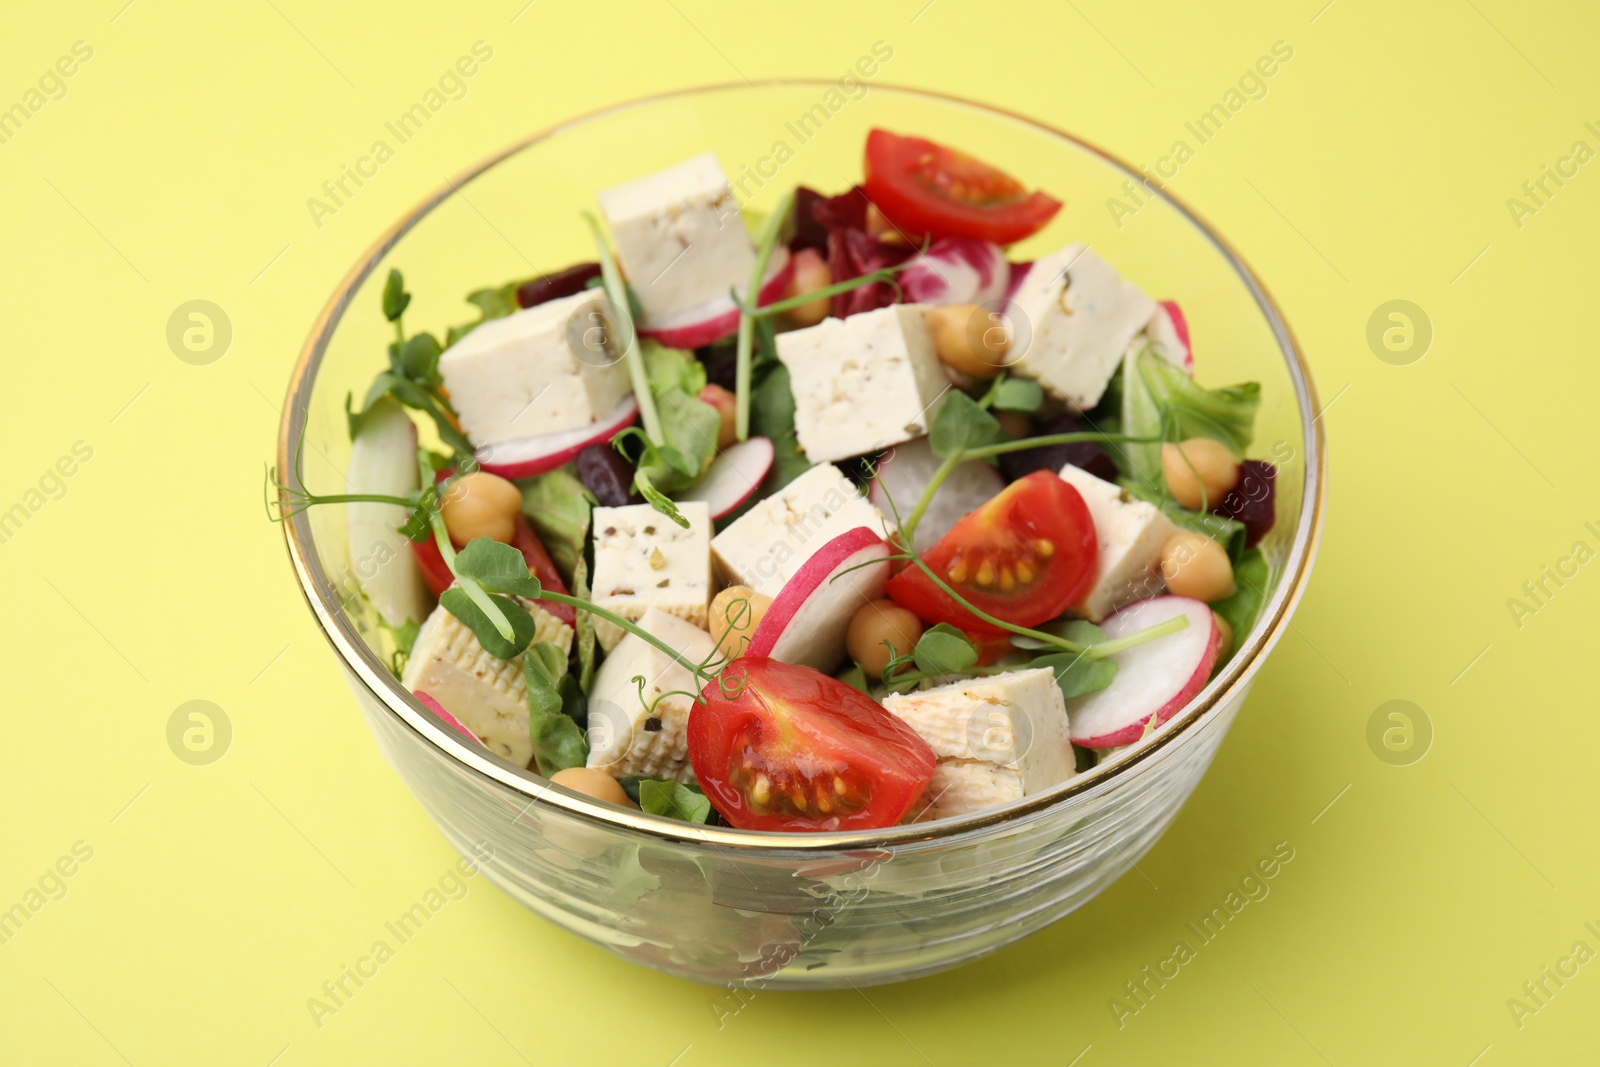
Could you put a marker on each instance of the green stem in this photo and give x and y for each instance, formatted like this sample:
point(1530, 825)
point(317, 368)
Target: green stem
point(789, 304)
point(617, 293)
point(1098, 651)
point(474, 591)
point(747, 322)
point(695, 670)
point(908, 530)
point(1025, 443)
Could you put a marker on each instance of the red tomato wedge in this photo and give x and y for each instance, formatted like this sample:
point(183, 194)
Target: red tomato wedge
point(437, 577)
point(779, 746)
point(1024, 557)
point(928, 190)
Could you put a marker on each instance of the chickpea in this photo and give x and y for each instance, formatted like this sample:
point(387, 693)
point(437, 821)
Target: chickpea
point(592, 782)
point(873, 624)
point(1225, 645)
point(481, 505)
point(727, 408)
point(1215, 466)
point(967, 341)
point(1195, 566)
point(810, 274)
point(737, 610)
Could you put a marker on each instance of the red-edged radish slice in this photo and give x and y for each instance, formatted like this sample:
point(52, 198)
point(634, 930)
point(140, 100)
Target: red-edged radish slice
point(732, 477)
point(527, 456)
point(449, 720)
point(1170, 331)
point(383, 461)
point(807, 620)
point(718, 317)
point(908, 468)
point(1156, 678)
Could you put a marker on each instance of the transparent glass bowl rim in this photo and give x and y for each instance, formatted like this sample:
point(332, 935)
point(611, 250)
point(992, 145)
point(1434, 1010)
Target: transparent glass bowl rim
point(376, 678)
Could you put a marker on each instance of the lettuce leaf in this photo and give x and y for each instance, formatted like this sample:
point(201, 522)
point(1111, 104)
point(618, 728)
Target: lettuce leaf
point(1161, 400)
point(558, 506)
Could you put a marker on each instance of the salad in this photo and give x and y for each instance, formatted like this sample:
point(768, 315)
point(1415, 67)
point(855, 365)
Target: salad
point(836, 518)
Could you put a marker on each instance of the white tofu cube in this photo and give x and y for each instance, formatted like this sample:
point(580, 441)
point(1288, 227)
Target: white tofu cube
point(959, 788)
point(863, 383)
point(644, 560)
point(1131, 534)
point(766, 545)
point(486, 694)
point(1072, 318)
point(679, 236)
point(646, 733)
point(1013, 723)
point(537, 371)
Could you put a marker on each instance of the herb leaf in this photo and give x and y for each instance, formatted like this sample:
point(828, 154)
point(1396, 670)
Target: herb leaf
point(1017, 394)
point(395, 297)
point(945, 650)
point(961, 423)
point(456, 601)
point(558, 743)
point(497, 567)
point(1077, 674)
point(674, 800)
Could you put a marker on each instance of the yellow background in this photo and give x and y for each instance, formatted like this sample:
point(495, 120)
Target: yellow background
point(220, 897)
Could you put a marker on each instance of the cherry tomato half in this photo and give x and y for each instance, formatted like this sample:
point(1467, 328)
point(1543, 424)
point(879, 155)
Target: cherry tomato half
point(778, 746)
point(437, 577)
point(928, 190)
point(1024, 557)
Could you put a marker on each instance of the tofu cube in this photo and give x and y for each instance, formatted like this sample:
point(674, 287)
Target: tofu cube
point(647, 734)
point(766, 545)
point(996, 738)
point(1072, 318)
point(679, 237)
point(538, 371)
point(863, 383)
point(644, 560)
point(958, 788)
point(1131, 535)
point(485, 693)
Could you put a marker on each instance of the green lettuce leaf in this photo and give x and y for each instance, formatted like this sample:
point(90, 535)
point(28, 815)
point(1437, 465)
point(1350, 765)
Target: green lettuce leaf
point(1253, 575)
point(558, 741)
point(558, 507)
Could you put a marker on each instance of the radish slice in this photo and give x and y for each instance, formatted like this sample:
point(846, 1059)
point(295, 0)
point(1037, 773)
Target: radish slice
point(438, 709)
point(957, 270)
point(383, 461)
point(732, 476)
point(1156, 678)
point(527, 456)
point(718, 317)
point(1170, 332)
point(807, 620)
point(908, 468)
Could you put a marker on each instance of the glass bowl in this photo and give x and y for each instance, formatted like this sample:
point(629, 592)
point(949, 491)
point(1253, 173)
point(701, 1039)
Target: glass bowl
point(763, 909)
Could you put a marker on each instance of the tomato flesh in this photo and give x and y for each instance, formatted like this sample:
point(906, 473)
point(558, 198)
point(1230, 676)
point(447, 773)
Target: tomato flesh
point(777, 746)
point(930, 191)
point(437, 577)
point(1024, 557)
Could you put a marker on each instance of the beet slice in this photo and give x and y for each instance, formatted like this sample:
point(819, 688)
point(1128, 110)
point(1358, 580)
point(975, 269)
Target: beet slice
point(1253, 501)
point(573, 279)
point(1086, 454)
point(808, 232)
point(607, 475)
